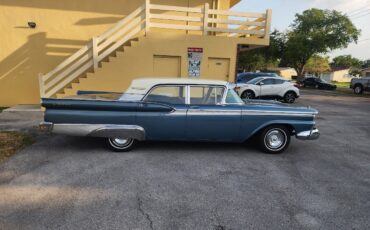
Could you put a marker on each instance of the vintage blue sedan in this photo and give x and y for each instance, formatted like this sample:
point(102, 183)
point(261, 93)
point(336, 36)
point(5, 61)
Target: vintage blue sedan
point(178, 110)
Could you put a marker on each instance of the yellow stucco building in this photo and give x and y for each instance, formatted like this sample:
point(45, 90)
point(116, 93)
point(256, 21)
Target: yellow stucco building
point(53, 48)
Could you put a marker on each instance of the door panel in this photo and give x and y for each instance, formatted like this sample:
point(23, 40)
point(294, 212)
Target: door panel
point(267, 89)
point(166, 66)
point(218, 68)
point(213, 122)
point(163, 125)
point(166, 123)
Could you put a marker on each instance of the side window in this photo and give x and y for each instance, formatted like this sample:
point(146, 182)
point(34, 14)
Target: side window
point(278, 81)
point(206, 95)
point(167, 94)
point(268, 81)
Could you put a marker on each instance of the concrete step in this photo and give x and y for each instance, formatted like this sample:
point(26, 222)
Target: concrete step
point(24, 108)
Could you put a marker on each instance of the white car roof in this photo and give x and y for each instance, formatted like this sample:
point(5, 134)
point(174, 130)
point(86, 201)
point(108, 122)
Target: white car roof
point(142, 85)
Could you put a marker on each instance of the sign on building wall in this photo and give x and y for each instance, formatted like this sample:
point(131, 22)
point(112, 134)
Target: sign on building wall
point(194, 61)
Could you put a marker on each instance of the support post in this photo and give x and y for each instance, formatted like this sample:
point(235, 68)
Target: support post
point(95, 52)
point(41, 86)
point(268, 24)
point(147, 16)
point(205, 19)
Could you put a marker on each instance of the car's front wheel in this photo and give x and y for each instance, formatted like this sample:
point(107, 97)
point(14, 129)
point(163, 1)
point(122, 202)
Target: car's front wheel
point(121, 144)
point(248, 94)
point(358, 89)
point(274, 139)
point(289, 97)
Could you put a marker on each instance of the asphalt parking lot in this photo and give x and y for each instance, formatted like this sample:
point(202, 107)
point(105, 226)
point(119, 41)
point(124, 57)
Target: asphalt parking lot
point(76, 183)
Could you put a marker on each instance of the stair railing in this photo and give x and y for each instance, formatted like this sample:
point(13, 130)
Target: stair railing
point(90, 55)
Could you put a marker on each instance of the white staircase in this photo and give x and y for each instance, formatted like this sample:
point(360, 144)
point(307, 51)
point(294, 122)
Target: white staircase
point(123, 34)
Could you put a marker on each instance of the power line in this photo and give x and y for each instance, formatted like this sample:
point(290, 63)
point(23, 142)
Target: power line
point(362, 40)
point(359, 12)
point(359, 9)
point(360, 16)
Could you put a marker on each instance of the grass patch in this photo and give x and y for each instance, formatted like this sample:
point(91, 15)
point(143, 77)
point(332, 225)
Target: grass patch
point(342, 84)
point(11, 142)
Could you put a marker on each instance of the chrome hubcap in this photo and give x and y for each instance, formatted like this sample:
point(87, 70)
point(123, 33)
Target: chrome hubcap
point(357, 89)
point(121, 141)
point(275, 139)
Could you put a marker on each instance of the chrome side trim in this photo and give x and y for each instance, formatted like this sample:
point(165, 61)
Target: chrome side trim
point(207, 112)
point(101, 130)
point(121, 131)
point(308, 135)
point(277, 113)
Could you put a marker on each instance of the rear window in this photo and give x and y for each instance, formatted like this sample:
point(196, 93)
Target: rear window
point(279, 81)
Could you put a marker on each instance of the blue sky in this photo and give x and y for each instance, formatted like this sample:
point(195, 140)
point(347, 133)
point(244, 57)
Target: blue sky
point(284, 11)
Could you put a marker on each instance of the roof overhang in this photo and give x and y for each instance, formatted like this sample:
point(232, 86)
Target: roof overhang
point(234, 2)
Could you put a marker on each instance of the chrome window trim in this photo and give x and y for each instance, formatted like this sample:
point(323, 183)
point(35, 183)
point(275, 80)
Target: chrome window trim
point(187, 91)
point(206, 85)
point(165, 85)
point(187, 101)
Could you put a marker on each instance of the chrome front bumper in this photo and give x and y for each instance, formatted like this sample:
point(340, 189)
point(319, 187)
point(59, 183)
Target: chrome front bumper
point(308, 135)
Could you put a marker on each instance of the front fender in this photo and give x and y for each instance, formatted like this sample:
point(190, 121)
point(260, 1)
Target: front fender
point(296, 126)
point(248, 88)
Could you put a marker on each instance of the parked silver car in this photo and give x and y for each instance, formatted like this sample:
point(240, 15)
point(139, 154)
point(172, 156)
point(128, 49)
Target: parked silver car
point(359, 85)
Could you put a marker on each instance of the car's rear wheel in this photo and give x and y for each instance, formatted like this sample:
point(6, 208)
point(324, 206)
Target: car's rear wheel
point(289, 97)
point(248, 94)
point(274, 139)
point(121, 144)
point(358, 89)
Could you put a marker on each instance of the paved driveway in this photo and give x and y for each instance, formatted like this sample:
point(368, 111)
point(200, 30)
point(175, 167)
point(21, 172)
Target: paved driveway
point(75, 183)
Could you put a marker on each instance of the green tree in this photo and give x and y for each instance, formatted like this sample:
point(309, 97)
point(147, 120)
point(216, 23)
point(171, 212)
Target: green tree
point(317, 64)
point(346, 61)
point(316, 31)
point(262, 58)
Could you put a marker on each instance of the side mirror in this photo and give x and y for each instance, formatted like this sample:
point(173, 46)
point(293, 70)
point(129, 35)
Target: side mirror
point(260, 83)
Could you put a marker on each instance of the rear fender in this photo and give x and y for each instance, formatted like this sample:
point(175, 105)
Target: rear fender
point(101, 130)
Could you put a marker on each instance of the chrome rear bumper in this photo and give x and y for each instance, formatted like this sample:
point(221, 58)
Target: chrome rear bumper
point(46, 127)
point(308, 135)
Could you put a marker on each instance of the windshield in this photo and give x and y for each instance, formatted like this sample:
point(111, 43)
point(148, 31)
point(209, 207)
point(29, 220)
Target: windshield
point(233, 98)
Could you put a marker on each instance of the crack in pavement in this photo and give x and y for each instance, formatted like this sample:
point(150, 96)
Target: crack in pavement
point(219, 225)
point(141, 210)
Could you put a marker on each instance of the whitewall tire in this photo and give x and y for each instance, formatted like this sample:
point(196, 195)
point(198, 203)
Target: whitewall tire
point(274, 139)
point(121, 144)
